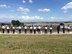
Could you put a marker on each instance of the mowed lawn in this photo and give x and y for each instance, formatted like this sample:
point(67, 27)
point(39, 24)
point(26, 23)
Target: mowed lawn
point(35, 44)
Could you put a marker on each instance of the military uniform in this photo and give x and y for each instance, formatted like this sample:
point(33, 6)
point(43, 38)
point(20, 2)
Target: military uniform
point(19, 29)
point(46, 29)
point(51, 30)
point(8, 30)
point(25, 29)
point(13, 29)
point(3, 29)
point(63, 29)
point(39, 29)
point(31, 29)
point(58, 29)
point(35, 29)
point(68, 28)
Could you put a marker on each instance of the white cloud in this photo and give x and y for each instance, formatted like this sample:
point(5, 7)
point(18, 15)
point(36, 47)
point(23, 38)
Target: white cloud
point(31, 18)
point(44, 10)
point(58, 19)
point(3, 16)
point(23, 18)
point(30, 1)
point(23, 10)
point(12, 10)
point(67, 7)
point(23, 1)
point(40, 18)
point(8, 18)
point(65, 11)
point(4, 6)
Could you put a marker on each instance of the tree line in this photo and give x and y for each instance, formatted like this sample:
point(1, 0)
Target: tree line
point(16, 23)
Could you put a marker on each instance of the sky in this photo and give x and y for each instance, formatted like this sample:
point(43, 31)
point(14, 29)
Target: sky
point(35, 10)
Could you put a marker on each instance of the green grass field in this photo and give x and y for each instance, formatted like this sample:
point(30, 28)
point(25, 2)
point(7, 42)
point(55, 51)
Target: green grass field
point(35, 44)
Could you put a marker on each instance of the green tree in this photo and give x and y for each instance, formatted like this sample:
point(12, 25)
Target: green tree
point(15, 22)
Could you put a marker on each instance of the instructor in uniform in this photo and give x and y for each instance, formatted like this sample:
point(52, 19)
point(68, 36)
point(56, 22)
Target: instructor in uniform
point(58, 29)
point(63, 29)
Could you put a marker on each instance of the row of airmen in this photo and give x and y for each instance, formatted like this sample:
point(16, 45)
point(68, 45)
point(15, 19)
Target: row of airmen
point(34, 29)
